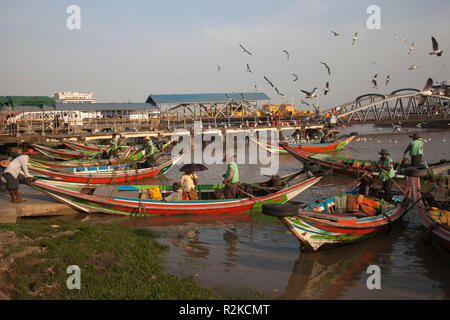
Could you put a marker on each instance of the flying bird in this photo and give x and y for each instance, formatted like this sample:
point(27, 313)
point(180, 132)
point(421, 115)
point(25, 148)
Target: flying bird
point(336, 34)
point(413, 67)
point(245, 50)
point(256, 88)
point(355, 37)
point(327, 67)
point(287, 54)
point(311, 94)
point(295, 77)
point(436, 50)
point(327, 89)
point(411, 48)
point(426, 91)
point(269, 82)
point(278, 92)
point(218, 68)
point(388, 78)
point(374, 81)
point(249, 69)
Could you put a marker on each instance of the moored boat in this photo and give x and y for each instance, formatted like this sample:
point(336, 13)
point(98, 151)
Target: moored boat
point(129, 199)
point(63, 154)
point(436, 230)
point(338, 144)
point(77, 146)
point(106, 177)
point(331, 223)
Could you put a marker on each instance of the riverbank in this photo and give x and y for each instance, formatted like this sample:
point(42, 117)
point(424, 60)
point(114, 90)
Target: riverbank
point(116, 262)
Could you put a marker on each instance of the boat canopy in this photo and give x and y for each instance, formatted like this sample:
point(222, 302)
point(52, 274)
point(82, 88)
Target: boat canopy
point(17, 101)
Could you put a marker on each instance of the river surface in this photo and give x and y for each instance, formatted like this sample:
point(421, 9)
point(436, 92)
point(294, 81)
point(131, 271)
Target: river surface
point(257, 252)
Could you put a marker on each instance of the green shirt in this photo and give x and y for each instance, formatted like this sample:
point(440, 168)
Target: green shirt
point(320, 134)
point(235, 170)
point(416, 148)
point(386, 174)
point(150, 148)
point(114, 144)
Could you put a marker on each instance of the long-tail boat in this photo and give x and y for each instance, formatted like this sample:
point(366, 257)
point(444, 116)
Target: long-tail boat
point(436, 230)
point(80, 162)
point(63, 154)
point(330, 223)
point(129, 199)
point(336, 145)
point(106, 177)
point(77, 146)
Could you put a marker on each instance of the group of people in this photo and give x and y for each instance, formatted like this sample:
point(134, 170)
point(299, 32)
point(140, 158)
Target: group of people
point(185, 189)
point(386, 165)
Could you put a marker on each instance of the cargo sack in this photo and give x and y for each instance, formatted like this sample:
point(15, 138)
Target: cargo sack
point(369, 206)
point(155, 193)
point(352, 203)
point(340, 203)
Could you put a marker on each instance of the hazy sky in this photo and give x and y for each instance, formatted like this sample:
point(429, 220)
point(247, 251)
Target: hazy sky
point(127, 50)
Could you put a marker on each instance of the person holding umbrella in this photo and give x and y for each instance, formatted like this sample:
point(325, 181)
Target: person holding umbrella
point(386, 168)
point(415, 149)
point(231, 178)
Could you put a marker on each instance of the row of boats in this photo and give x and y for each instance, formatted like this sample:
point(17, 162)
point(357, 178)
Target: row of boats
point(89, 184)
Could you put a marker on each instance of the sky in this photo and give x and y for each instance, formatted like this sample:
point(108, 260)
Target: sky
point(126, 50)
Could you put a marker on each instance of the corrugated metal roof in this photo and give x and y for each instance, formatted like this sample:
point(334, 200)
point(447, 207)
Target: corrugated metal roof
point(160, 99)
point(93, 107)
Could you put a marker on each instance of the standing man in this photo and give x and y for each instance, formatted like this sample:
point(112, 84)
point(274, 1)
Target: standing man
point(386, 168)
point(415, 149)
point(11, 175)
point(114, 145)
point(231, 178)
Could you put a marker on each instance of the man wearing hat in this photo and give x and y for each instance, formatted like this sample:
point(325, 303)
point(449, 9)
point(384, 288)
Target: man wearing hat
point(231, 178)
point(415, 149)
point(386, 167)
point(3, 165)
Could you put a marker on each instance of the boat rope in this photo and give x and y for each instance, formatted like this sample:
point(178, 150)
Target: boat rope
point(429, 231)
point(389, 222)
point(89, 178)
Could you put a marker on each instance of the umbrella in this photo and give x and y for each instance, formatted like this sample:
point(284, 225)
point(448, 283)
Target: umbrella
point(194, 167)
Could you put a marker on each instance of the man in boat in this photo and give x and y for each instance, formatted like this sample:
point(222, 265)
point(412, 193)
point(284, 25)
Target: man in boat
point(320, 135)
point(177, 194)
point(11, 175)
point(231, 178)
point(149, 149)
point(114, 145)
point(415, 149)
point(188, 182)
point(386, 169)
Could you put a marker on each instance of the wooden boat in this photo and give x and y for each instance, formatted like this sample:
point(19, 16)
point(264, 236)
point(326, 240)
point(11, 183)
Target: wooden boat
point(129, 200)
point(80, 162)
point(436, 169)
point(106, 177)
point(318, 227)
point(338, 144)
point(436, 231)
point(63, 154)
point(77, 146)
point(336, 164)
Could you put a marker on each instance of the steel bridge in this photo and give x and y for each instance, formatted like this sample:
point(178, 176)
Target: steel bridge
point(398, 105)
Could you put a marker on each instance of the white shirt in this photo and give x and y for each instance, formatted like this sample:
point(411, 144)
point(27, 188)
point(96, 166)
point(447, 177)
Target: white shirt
point(187, 182)
point(14, 167)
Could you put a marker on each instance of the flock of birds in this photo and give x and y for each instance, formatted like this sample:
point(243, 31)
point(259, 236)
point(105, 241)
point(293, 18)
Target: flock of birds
point(395, 141)
point(375, 81)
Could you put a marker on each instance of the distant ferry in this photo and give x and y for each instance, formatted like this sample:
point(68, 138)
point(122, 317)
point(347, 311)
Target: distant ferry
point(74, 97)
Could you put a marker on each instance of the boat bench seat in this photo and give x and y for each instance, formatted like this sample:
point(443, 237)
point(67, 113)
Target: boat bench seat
point(105, 191)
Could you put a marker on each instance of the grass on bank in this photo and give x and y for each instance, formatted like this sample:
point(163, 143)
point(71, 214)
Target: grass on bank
point(116, 262)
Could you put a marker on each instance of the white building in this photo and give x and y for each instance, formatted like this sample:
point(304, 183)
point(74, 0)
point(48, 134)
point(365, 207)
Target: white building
point(74, 97)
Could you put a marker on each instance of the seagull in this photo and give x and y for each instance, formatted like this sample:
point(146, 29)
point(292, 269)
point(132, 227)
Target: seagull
point(245, 50)
point(256, 88)
point(295, 76)
point(311, 94)
point(218, 68)
point(287, 54)
point(248, 68)
point(327, 89)
point(327, 67)
point(396, 127)
point(278, 92)
point(355, 37)
point(374, 81)
point(411, 48)
point(422, 95)
point(335, 33)
point(436, 50)
point(388, 78)
point(413, 67)
point(268, 81)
